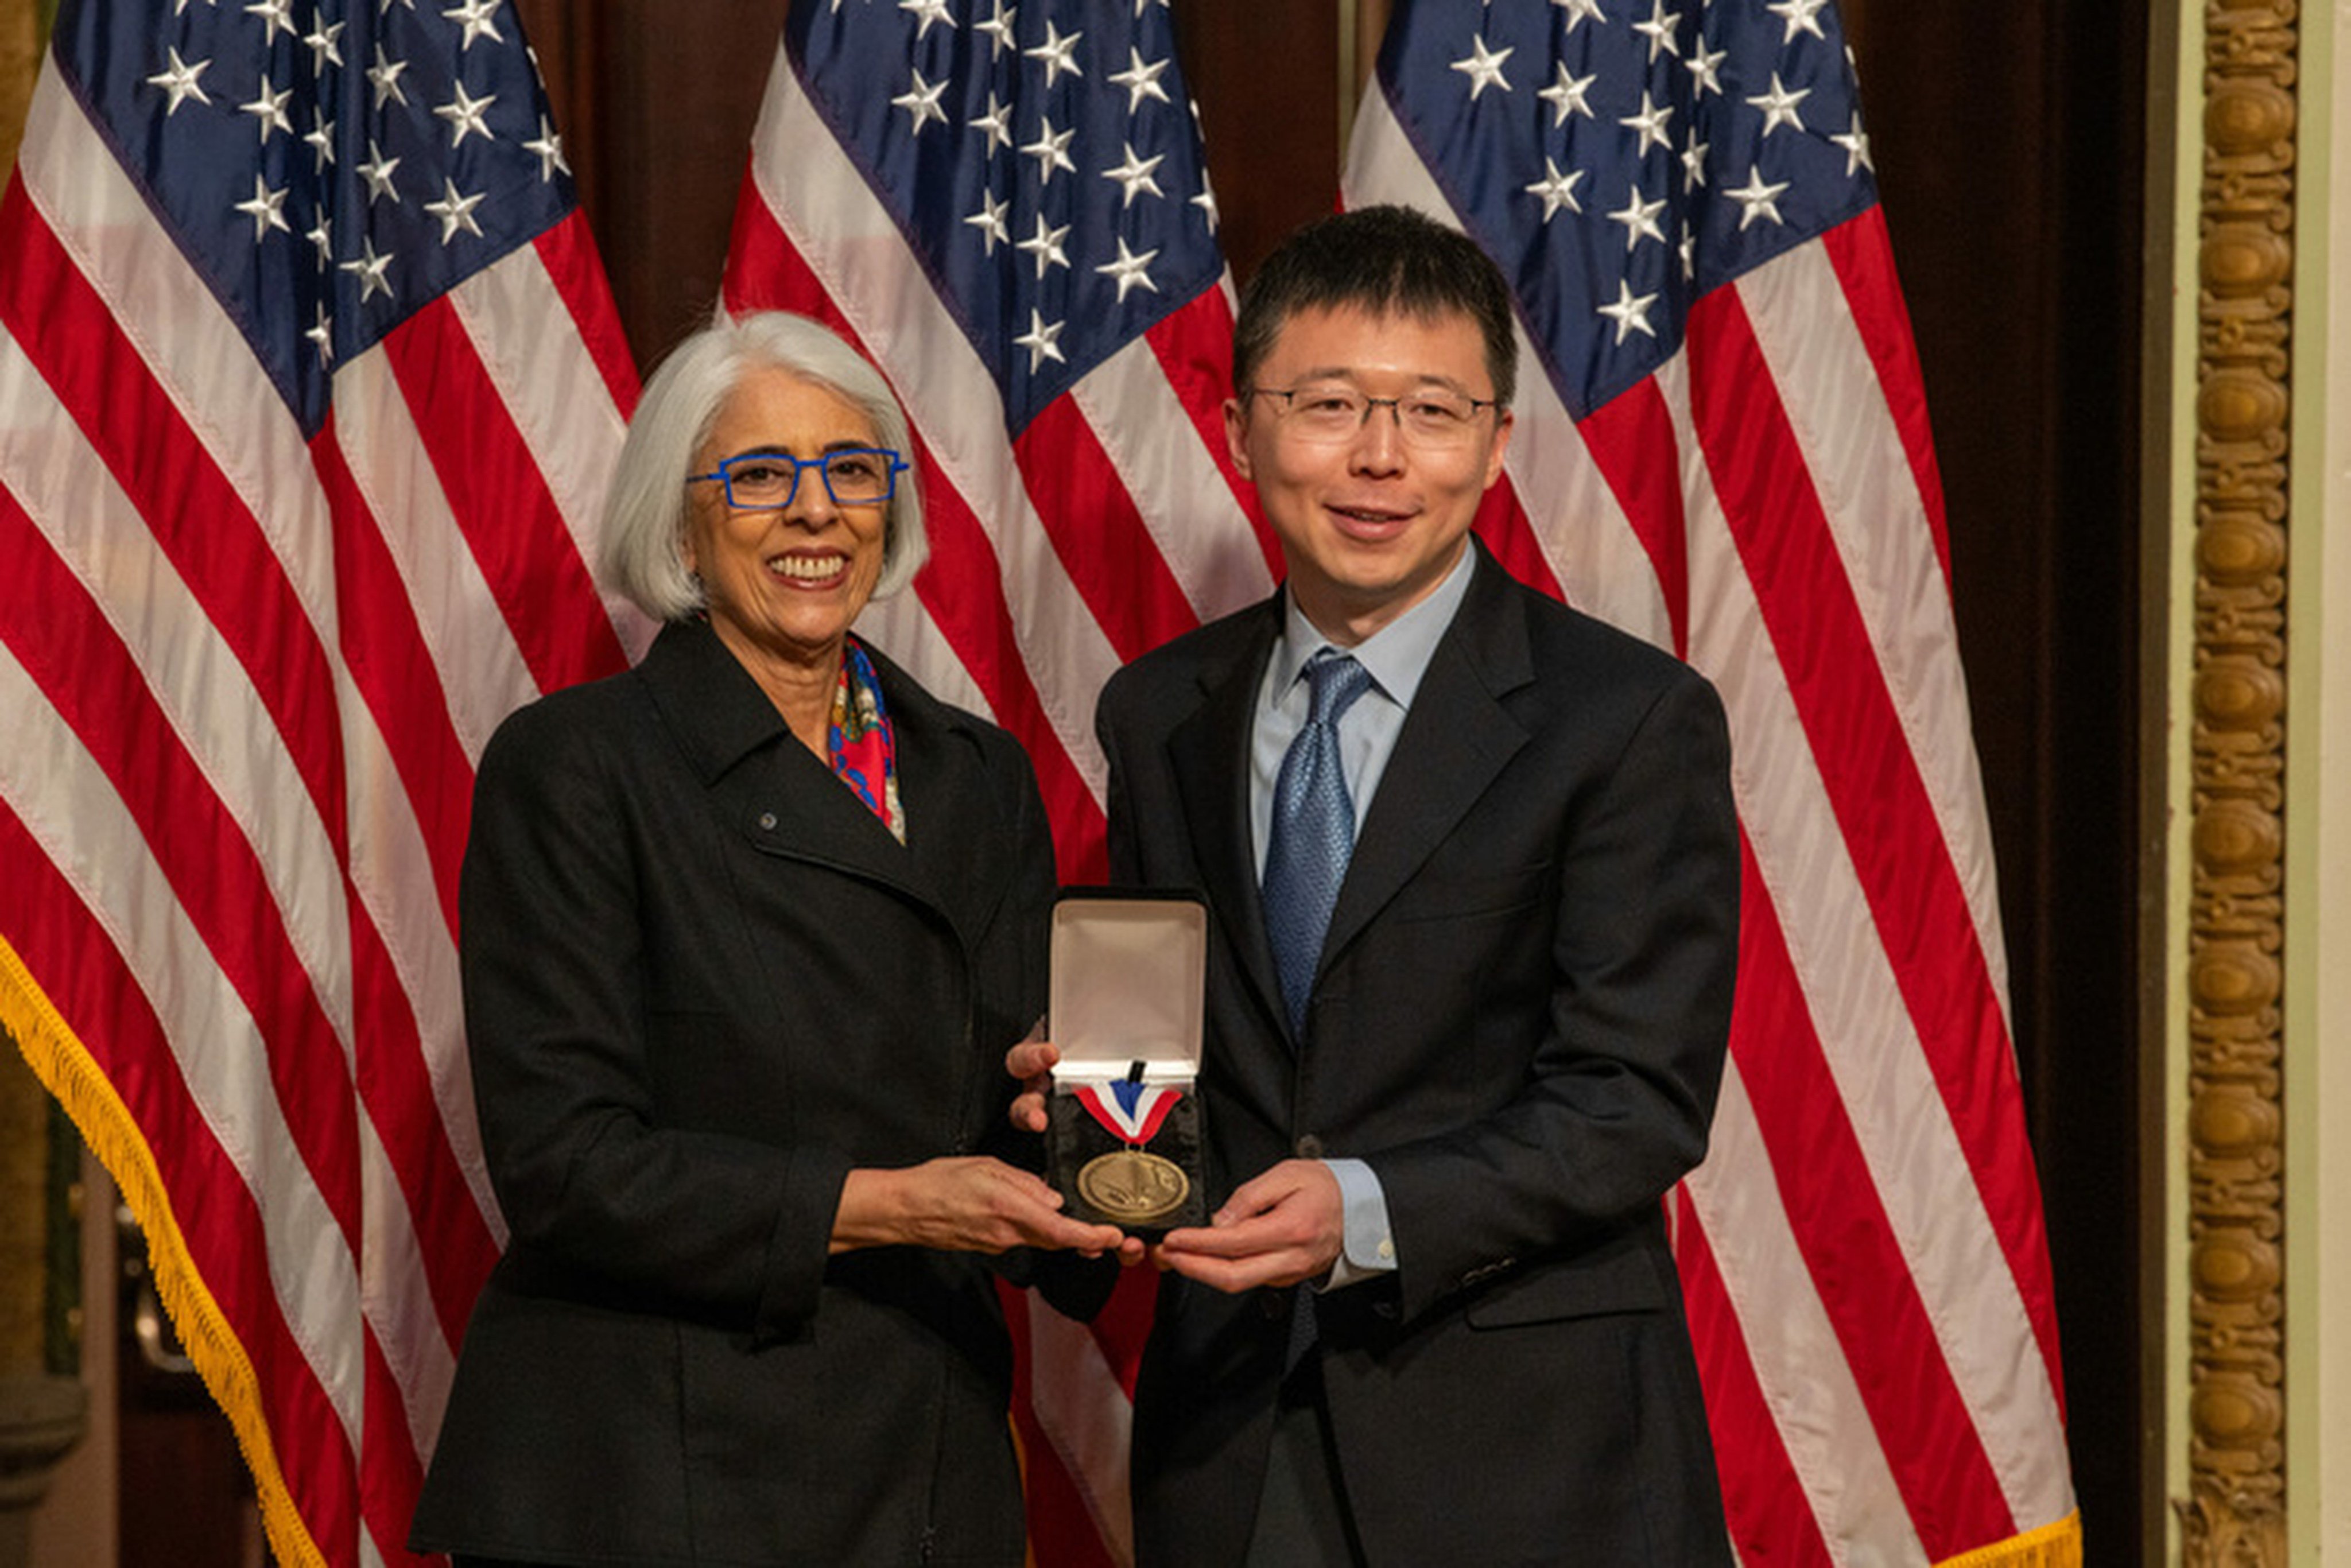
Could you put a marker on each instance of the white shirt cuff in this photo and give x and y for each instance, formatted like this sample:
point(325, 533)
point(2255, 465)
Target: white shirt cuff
point(1367, 1250)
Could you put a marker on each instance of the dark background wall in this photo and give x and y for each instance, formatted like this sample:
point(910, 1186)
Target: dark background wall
point(2010, 142)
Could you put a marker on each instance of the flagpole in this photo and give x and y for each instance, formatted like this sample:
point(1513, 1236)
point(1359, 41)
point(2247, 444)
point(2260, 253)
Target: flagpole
point(1362, 25)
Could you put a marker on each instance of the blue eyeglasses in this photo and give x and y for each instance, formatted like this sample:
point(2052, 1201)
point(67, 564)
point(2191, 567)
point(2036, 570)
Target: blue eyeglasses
point(766, 481)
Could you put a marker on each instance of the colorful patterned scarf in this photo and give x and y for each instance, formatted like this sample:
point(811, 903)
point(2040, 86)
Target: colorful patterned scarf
point(860, 743)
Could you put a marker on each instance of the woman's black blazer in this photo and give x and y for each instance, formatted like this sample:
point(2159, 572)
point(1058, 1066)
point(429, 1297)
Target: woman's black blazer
point(701, 982)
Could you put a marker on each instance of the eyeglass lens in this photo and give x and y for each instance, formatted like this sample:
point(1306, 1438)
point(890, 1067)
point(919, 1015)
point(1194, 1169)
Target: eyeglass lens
point(851, 478)
point(1432, 417)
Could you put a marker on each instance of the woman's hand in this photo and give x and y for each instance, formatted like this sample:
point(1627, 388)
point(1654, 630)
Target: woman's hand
point(966, 1203)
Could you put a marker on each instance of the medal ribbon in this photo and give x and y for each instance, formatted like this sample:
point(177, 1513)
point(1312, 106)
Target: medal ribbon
point(1132, 1111)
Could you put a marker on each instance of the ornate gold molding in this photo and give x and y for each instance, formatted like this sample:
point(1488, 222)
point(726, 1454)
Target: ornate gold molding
point(2235, 1513)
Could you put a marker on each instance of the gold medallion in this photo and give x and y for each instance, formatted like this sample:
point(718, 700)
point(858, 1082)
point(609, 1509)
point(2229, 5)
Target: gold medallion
point(1132, 1187)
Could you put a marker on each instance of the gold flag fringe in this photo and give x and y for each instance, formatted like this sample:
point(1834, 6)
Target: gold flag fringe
point(63, 1064)
point(2057, 1545)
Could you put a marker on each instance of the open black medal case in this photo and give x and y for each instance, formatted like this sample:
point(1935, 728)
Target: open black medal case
point(1122, 1133)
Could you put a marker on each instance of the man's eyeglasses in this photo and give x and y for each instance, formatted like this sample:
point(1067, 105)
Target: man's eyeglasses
point(1331, 412)
point(766, 481)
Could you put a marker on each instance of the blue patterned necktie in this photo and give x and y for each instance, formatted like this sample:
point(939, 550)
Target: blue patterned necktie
point(1313, 832)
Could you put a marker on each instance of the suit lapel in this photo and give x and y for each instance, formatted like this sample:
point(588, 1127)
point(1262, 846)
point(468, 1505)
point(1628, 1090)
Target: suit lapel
point(1457, 737)
point(1209, 752)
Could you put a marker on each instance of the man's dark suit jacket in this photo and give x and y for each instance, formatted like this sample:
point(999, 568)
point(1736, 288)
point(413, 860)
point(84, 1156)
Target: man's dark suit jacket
point(702, 983)
point(1519, 1023)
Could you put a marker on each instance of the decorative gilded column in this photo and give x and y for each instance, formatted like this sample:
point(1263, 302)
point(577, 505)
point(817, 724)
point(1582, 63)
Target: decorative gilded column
point(42, 1409)
point(20, 44)
point(2235, 1512)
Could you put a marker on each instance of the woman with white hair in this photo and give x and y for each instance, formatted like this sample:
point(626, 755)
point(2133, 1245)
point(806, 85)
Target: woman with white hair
point(746, 932)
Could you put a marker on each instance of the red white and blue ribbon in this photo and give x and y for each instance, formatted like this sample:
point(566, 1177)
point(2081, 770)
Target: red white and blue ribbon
point(1132, 1111)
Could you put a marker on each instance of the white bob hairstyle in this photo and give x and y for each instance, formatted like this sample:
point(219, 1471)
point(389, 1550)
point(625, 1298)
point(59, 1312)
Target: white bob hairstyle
point(644, 548)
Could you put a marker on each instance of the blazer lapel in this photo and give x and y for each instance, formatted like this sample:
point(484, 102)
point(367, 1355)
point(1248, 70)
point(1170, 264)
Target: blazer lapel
point(957, 852)
point(1209, 753)
point(784, 801)
point(1457, 737)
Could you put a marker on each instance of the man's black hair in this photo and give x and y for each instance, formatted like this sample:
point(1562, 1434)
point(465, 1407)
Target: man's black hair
point(1385, 260)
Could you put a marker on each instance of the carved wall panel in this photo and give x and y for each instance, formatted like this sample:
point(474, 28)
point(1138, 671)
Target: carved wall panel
point(2235, 1512)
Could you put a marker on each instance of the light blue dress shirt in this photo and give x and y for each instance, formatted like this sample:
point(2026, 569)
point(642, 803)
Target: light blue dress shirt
point(1396, 656)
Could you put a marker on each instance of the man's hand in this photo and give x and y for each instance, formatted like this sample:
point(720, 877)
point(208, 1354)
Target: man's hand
point(966, 1203)
point(1032, 1062)
point(1285, 1225)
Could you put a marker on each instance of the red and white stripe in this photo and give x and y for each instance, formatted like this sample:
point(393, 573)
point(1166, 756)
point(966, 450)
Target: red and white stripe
point(1863, 1250)
point(249, 676)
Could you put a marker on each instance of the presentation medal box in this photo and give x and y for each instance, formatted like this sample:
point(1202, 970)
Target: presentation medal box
point(1123, 1137)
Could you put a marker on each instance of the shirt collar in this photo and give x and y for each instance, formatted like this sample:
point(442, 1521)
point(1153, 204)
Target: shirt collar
point(1397, 654)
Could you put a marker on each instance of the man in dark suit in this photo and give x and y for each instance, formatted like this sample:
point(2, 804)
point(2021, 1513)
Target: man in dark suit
point(1474, 890)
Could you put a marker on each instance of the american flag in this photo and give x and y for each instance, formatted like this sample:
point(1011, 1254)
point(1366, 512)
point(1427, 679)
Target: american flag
point(1005, 204)
point(1726, 451)
point(309, 387)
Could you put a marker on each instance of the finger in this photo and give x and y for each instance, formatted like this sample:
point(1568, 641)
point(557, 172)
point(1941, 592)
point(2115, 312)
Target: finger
point(1261, 1194)
point(1093, 1240)
point(1032, 1059)
point(1241, 1238)
point(1236, 1276)
point(1028, 1111)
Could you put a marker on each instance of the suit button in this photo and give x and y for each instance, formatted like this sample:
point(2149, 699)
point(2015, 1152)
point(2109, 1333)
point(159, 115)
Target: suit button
point(1309, 1147)
point(1274, 1305)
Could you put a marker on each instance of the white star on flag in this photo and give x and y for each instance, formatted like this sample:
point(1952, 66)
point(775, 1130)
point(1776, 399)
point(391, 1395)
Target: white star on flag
point(1639, 218)
point(1483, 67)
point(1045, 245)
point(455, 211)
point(1630, 312)
point(180, 81)
point(1568, 95)
point(267, 209)
point(920, 102)
point(1133, 176)
point(1040, 340)
point(995, 123)
point(1141, 80)
point(465, 114)
point(1779, 106)
point(1129, 271)
point(1856, 143)
point(1659, 30)
point(1557, 190)
point(1650, 123)
point(1757, 198)
point(1052, 150)
point(1801, 16)
point(1058, 53)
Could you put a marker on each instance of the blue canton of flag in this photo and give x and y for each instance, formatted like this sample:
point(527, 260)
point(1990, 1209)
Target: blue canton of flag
point(1059, 134)
point(1707, 137)
point(329, 167)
